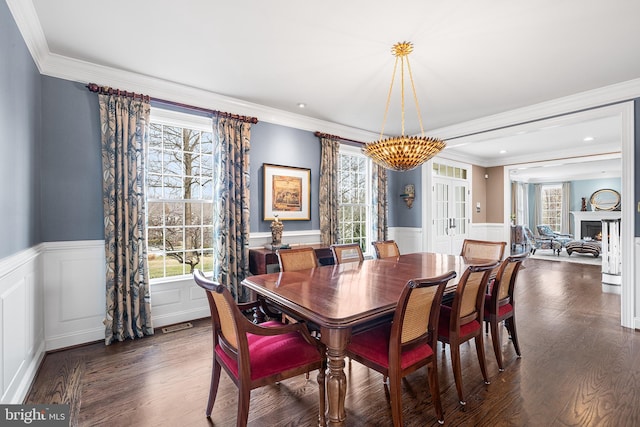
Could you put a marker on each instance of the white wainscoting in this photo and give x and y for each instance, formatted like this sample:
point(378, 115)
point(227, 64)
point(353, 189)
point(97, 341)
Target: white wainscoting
point(73, 278)
point(21, 324)
point(75, 295)
point(408, 239)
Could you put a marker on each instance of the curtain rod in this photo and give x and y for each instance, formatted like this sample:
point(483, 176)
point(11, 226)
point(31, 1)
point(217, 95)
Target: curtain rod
point(106, 90)
point(326, 135)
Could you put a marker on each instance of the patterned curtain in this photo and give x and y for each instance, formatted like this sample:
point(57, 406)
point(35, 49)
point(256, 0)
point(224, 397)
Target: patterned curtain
point(566, 207)
point(379, 191)
point(524, 194)
point(537, 206)
point(231, 204)
point(124, 122)
point(328, 193)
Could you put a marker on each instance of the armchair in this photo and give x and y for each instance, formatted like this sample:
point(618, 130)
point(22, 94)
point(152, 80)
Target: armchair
point(546, 231)
point(540, 242)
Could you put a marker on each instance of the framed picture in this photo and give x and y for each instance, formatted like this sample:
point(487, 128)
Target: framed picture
point(286, 192)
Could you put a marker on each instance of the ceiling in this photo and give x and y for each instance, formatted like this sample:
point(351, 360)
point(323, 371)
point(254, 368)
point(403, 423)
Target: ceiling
point(471, 59)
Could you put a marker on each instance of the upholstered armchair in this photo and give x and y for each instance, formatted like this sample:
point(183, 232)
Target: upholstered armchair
point(546, 231)
point(541, 242)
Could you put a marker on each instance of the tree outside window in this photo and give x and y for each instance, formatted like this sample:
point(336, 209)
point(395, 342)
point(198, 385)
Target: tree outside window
point(179, 199)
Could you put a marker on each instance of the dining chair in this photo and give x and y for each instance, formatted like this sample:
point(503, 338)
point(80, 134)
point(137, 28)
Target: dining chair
point(483, 249)
point(386, 249)
point(255, 355)
point(347, 252)
point(500, 305)
point(462, 320)
point(408, 343)
point(302, 258)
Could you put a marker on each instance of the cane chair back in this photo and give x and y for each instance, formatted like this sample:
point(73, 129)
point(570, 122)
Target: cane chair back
point(303, 258)
point(347, 252)
point(386, 249)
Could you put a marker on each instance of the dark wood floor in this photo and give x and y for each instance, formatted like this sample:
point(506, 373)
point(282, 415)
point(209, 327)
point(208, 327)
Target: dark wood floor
point(579, 368)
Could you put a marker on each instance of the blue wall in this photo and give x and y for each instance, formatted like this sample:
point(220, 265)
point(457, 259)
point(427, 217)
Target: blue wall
point(71, 163)
point(20, 132)
point(399, 214)
point(280, 145)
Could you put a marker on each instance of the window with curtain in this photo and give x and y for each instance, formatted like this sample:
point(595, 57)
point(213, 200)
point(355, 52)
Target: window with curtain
point(354, 197)
point(179, 194)
point(551, 206)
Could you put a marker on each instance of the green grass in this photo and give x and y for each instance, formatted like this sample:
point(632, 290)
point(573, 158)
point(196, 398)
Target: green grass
point(175, 268)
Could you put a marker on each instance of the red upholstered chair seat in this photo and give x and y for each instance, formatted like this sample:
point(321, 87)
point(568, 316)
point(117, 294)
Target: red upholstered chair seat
point(445, 319)
point(373, 344)
point(273, 353)
point(502, 310)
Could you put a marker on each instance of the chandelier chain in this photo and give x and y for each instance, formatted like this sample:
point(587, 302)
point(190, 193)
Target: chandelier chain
point(402, 153)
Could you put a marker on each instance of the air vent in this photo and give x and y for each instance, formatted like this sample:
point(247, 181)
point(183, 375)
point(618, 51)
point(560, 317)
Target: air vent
point(177, 327)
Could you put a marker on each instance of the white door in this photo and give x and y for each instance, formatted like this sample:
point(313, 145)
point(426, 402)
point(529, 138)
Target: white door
point(450, 202)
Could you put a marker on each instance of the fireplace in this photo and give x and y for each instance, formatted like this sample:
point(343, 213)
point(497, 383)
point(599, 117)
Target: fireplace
point(591, 229)
point(589, 223)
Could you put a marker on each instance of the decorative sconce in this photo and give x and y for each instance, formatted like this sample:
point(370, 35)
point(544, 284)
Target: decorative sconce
point(409, 195)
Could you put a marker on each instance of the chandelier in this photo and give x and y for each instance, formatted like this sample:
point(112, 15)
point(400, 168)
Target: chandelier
point(402, 153)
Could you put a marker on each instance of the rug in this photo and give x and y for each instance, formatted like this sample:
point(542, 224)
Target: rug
point(575, 257)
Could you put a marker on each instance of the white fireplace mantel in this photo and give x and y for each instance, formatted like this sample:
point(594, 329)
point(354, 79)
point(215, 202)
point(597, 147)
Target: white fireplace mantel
point(579, 216)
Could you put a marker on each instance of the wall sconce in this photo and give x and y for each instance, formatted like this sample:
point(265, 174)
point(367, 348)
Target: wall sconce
point(409, 195)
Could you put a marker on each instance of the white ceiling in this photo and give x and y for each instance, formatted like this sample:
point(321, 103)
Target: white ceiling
point(471, 59)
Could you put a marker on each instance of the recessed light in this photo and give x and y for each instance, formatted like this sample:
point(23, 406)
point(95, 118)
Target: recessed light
point(503, 151)
point(588, 138)
point(301, 105)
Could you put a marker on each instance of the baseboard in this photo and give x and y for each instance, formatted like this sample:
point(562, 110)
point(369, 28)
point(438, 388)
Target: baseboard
point(75, 338)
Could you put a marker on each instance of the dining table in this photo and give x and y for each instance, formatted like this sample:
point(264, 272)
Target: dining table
point(341, 298)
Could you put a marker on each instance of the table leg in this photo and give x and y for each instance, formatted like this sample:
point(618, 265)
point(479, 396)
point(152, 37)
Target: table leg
point(336, 341)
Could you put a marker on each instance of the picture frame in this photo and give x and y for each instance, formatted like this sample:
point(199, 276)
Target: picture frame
point(287, 192)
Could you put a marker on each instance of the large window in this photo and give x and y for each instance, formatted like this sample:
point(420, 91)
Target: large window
point(354, 197)
point(551, 206)
point(179, 194)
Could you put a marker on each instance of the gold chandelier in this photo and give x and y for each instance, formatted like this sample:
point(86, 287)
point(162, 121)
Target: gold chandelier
point(402, 153)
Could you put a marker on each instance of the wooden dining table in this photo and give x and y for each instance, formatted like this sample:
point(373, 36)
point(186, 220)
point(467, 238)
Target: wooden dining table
point(343, 297)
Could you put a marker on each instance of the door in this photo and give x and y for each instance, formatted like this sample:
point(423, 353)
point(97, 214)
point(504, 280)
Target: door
point(451, 201)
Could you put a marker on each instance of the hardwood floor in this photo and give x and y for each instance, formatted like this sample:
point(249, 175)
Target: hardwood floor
point(579, 367)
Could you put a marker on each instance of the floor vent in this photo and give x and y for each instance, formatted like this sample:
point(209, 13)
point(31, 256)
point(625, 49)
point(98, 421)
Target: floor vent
point(178, 327)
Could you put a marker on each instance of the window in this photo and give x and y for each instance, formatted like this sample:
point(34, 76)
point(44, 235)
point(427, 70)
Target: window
point(354, 197)
point(551, 205)
point(179, 194)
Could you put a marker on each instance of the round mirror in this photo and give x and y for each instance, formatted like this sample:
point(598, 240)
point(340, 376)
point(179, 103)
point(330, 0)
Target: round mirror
point(605, 200)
